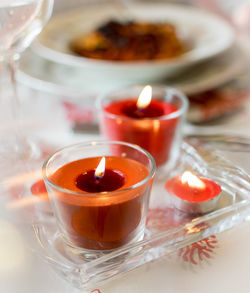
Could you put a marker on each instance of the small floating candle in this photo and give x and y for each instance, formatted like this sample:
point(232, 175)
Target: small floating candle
point(193, 194)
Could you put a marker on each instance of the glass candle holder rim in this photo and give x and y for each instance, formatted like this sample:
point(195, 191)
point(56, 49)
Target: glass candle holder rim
point(106, 193)
point(170, 116)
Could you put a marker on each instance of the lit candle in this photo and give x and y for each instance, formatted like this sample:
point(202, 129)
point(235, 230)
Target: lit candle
point(193, 194)
point(101, 211)
point(151, 121)
point(101, 179)
point(38, 189)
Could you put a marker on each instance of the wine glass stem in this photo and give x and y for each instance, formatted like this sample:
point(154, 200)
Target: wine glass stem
point(19, 142)
point(12, 65)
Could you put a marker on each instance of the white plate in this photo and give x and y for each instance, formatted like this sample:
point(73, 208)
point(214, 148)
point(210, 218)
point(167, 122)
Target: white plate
point(207, 35)
point(56, 79)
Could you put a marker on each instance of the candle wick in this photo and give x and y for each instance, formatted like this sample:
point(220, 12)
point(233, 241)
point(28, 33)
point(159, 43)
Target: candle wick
point(139, 112)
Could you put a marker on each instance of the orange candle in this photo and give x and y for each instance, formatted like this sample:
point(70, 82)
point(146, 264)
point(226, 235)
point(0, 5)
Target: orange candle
point(108, 214)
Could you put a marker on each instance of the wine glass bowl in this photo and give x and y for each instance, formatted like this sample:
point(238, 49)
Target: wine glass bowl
point(20, 22)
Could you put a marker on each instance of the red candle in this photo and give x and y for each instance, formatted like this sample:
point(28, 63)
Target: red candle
point(193, 194)
point(38, 189)
point(108, 214)
point(153, 124)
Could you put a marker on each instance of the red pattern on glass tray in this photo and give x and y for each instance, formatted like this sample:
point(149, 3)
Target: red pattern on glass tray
point(199, 251)
point(160, 219)
point(194, 253)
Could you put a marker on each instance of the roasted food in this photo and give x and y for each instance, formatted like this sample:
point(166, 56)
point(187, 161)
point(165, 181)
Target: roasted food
point(129, 41)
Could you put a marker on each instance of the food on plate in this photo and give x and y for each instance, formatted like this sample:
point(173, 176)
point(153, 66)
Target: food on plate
point(130, 41)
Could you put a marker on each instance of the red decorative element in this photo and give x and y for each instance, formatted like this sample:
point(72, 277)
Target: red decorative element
point(199, 251)
point(96, 291)
point(184, 191)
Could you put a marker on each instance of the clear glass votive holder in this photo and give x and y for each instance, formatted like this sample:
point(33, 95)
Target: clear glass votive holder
point(161, 136)
point(95, 215)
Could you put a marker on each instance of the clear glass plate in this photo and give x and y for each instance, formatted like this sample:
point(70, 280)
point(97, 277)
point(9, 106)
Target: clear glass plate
point(168, 229)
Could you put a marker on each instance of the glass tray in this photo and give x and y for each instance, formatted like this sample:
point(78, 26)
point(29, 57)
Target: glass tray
point(168, 229)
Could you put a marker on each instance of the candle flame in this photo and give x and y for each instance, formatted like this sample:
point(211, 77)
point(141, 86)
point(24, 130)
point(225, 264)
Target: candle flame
point(144, 97)
point(192, 180)
point(100, 170)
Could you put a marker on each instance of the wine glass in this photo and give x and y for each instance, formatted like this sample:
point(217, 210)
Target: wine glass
point(20, 22)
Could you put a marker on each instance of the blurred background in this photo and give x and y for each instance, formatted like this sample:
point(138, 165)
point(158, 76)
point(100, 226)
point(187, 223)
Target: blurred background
point(218, 88)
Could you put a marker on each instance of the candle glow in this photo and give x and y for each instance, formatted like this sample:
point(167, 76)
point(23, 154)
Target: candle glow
point(192, 180)
point(144, 97)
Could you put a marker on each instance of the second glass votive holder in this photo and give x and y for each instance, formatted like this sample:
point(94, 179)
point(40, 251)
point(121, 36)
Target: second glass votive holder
point(156, 128)
point(99, 210)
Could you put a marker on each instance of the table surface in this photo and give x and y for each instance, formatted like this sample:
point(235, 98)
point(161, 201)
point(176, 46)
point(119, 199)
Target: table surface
point(220, 264)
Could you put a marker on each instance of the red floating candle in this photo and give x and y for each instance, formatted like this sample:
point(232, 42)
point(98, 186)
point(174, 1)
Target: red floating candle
point(152, 123)
point(193, 194)
point(101, 219)
point(39, 189)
